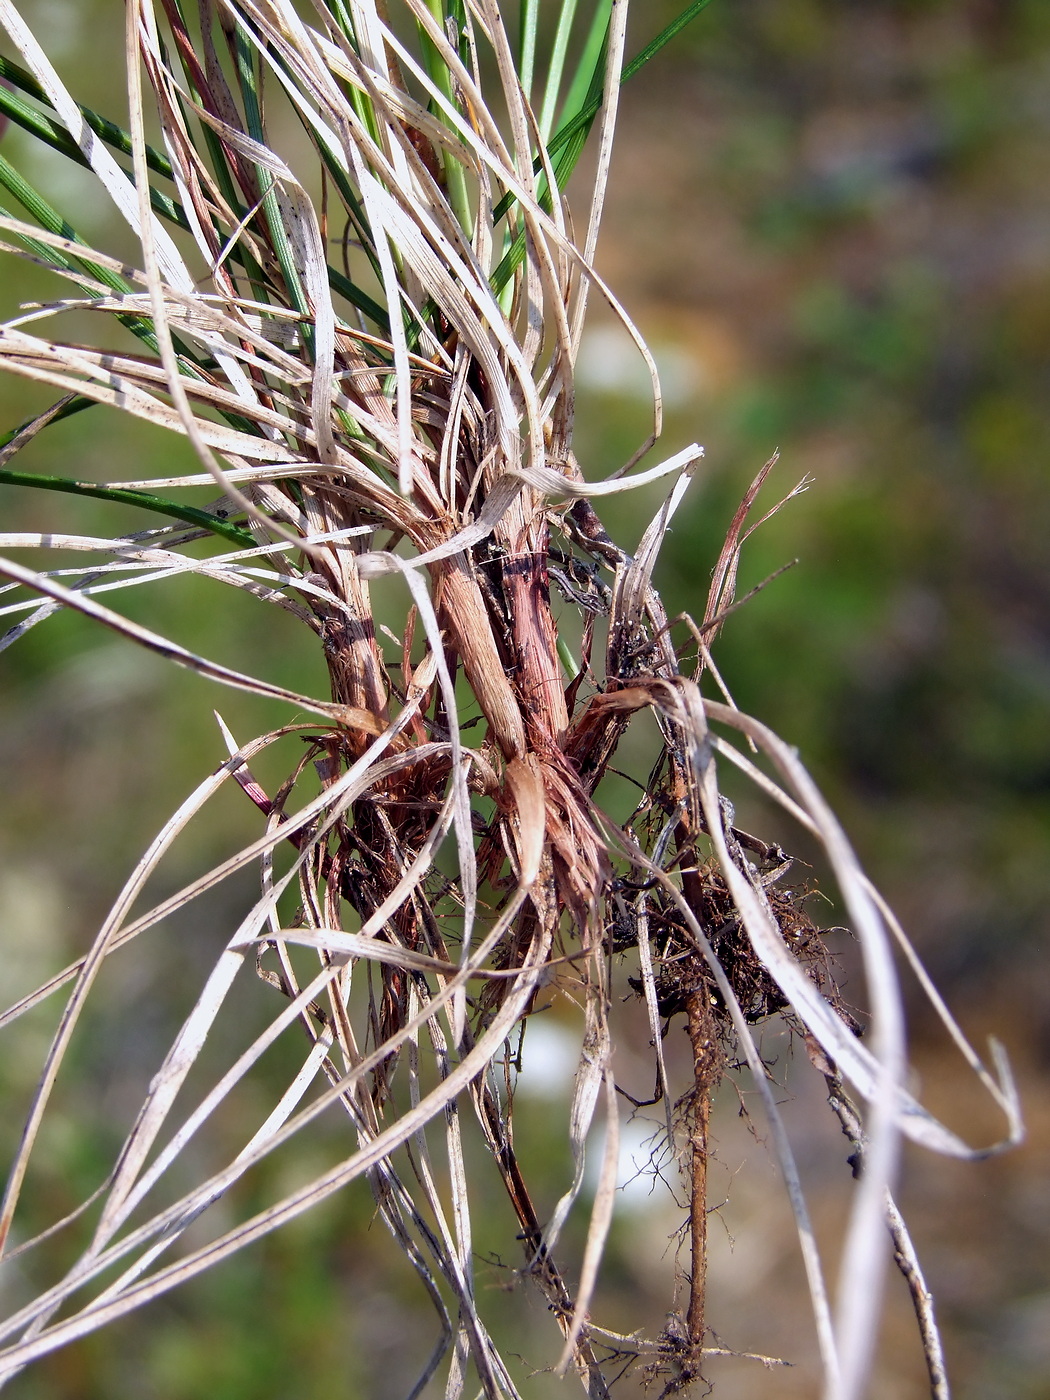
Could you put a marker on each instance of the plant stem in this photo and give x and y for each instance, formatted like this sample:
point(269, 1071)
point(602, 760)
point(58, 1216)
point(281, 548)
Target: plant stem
point(706, 1073)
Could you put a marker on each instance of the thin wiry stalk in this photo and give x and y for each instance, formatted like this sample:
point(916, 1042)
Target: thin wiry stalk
point(408, 416)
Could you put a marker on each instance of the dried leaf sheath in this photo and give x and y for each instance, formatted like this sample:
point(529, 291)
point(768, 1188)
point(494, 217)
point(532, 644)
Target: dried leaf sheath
point(381, 389)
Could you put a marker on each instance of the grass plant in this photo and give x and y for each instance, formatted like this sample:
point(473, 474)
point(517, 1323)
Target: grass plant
point(372, 362)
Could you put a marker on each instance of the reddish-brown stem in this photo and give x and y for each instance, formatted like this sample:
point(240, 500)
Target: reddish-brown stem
point(703, 1038)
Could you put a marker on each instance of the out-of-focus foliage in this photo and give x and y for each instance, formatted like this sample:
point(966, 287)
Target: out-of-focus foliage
point(834, 220)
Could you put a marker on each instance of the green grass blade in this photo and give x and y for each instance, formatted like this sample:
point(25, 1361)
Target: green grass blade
point(528, 11)
point(43, 127)
point(108, 131)
point(49, 218)
point(75, 403)
point(556, 68)
point(334, 171)
point(584, 92)
point(360, 102)
point(144, 499)
point(52, 132)
point(568, 142)
point(590, 109)
point(664, 37)
point(588, 80)
point(455, 175)
point(356, 297)
point(279, 242)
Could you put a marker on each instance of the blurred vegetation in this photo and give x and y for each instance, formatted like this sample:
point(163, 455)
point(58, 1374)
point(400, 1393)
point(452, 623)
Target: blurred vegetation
point(843, 251)
point(832, 219)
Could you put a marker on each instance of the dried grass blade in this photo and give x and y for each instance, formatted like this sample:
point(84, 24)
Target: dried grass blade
point(116, 183)
point(93, 1316)
point(134, 632)
point(87, 970)
point(598, 1229)
point(842, 1048)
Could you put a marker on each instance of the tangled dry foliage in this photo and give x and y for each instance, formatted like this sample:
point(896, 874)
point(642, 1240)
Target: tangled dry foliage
point(407, 416)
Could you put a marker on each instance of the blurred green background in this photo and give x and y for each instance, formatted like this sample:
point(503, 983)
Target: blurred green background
point(832, 222)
